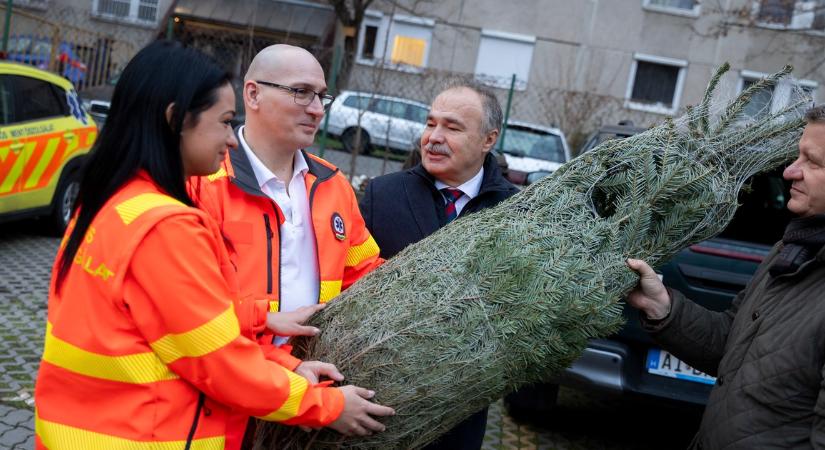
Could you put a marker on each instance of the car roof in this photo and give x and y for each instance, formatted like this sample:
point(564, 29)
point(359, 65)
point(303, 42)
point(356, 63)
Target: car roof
point(384, 97)
point(12, 68)
point(546, 129)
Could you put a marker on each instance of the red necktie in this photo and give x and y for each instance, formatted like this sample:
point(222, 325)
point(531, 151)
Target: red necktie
point(451, 195)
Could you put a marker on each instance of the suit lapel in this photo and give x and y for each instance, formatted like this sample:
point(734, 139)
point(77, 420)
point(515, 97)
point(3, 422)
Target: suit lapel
point(420, 200)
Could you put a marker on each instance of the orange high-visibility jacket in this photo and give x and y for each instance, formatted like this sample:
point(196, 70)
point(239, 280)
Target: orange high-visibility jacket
point(143, 348)
point(251, 221)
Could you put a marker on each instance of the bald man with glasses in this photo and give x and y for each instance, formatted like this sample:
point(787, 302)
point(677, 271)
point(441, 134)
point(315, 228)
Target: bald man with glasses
point(290, 219)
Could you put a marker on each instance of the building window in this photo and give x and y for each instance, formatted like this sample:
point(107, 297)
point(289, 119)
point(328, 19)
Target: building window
point(502, 55)
point(655, 84)
point(407, 40)
point(681, 7)
point(138, 11)
point(772, 100)
point(795, 14)
point(776, 11)
point(369, 40)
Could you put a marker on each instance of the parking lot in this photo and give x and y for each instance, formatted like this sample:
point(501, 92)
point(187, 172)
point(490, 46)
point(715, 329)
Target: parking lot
point(581, 421)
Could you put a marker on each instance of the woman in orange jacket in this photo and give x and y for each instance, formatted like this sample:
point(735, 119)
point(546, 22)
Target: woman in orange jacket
point(143, 347)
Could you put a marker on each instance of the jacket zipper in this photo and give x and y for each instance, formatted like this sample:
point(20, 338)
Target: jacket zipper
point(269, 236)
point(201, 399)
point(315, 234)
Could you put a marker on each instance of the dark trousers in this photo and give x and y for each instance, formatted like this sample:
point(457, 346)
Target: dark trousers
point(467, 435)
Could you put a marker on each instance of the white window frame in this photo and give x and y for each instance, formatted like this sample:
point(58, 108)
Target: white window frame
point(131, 18)
point(385, 25)
point(520, 85)
point(677, 92)
point(781, 91)
point(697, 9)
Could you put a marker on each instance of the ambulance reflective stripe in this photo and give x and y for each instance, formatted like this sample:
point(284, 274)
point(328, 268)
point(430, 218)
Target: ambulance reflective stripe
point(58, 436)
point(329, 289)
point(205, 339)
point(51, 164)
point(11, 163)
point(39, 158)
point(136, 368)
point(43, 160)
point(130, 209)
point(297, 389)
point(359, 253)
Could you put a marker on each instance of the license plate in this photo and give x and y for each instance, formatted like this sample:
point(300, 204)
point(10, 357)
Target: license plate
point(662, 363)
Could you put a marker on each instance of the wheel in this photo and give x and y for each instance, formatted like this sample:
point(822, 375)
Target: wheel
point(64, 200)
point(349, 141)
point(532, 404)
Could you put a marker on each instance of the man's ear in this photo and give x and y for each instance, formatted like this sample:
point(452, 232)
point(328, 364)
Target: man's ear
point(489, 141)
point(251, 95)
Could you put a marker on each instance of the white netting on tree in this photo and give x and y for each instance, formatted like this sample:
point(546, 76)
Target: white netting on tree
point(510, 295)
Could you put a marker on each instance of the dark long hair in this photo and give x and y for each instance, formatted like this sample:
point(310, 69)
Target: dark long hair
point(137, 134)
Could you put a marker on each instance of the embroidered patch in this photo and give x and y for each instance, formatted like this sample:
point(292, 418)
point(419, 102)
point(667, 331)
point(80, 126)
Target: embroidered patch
point(338, 228)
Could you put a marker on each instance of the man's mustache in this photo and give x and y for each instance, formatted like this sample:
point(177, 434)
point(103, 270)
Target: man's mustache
point(439, 149)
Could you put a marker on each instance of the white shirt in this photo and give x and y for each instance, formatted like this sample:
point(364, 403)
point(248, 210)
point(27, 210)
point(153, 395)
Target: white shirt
point(299, 261)
point(469, 190)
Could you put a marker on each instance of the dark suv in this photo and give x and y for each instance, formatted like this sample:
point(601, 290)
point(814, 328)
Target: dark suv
point(710, 273)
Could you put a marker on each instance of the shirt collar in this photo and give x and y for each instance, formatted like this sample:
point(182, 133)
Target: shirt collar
point(262, 173)
point(470, 188)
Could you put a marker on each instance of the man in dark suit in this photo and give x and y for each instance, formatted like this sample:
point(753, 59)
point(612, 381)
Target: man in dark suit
point(457, 176)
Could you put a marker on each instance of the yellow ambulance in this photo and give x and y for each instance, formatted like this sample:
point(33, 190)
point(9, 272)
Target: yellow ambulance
point(45, 135)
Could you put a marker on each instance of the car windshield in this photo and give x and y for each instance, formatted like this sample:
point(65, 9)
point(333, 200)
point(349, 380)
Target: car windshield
point(534, 144)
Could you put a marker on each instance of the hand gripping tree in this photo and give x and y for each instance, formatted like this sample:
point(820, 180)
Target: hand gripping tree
point(510, 295)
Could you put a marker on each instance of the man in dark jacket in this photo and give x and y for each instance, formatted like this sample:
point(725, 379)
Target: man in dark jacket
point(457, 176)
point(768, 350)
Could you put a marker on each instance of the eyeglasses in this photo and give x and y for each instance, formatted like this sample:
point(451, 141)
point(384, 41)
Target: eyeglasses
point(302, 96)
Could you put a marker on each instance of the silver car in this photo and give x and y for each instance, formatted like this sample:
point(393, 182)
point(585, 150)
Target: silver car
point(386, 122)
point(532, 151)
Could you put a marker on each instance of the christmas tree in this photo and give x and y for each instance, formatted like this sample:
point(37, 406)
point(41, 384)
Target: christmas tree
point(510, 295)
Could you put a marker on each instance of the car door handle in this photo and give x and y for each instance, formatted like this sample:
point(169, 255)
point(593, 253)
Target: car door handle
point(69, 136)
point(16, 147)
point(713, 278)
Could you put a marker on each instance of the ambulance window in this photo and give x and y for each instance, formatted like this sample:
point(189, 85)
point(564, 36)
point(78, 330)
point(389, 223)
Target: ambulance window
point(36, 99)
point(6, 102)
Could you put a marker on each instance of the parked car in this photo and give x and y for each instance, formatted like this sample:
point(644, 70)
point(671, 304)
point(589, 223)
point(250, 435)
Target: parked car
point(99, 110)
point(532, 151)
point(623, 129)
point(710, 273)
point(45, 136)
point(386, 122)
point(37, 52)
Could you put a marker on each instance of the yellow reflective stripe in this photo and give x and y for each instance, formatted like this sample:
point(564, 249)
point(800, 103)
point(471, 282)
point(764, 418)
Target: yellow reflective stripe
point(58, 436)
point(17, 169)
point(130, 209)
point(297, 388)
point(200, 341)
point(274, 305)
point(358, 253)
point(329, 289)
point(135, 368)
point(219, 174)
point(45, 159)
